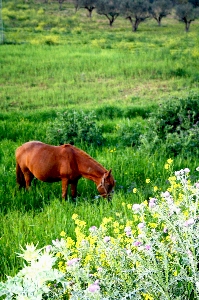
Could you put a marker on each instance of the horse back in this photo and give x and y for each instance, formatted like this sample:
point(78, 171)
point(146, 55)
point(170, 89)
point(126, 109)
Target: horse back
point(47, 162)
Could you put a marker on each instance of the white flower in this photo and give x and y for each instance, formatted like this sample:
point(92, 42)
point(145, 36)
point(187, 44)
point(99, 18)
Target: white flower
point(30, 253)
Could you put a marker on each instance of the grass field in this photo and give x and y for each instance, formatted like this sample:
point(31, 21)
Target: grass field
point(54, 61)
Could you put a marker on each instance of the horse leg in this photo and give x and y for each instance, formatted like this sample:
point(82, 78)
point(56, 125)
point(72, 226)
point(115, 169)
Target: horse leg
point(28, 178)
point(73, 187)
point(20, 177)
point(64, 187)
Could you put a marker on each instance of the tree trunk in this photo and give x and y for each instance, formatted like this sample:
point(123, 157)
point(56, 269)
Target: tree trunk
point(135, 25)
point(187, 25)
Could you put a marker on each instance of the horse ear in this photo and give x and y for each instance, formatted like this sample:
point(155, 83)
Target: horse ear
point(109, 172)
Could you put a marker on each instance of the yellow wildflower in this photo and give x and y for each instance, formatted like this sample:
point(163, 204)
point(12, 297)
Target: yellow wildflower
point(147, 296)
point(148, 180)
point(153, 225)
point(155, 188)
point(134, 190)
point(63, 233)
point(129, 206)
point(74, 216)
point(169, 161)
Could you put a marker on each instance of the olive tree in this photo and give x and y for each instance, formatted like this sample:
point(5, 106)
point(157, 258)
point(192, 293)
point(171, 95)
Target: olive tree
point(187, 13)
point(110, 9)
point(89, 5)
point(136, 11)
point(160, 9)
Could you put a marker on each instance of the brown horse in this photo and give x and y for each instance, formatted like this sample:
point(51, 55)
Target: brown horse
point(64, 163)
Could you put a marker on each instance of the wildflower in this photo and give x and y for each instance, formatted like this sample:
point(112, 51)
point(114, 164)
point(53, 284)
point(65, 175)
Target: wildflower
point(175, 273)
point(197, 169)
point(128, 252)
point(166, 166)
point(186, 170)
point(30, 253)
point(62, 233)
point(155, 188)
point(147, 296)
point(107, 239)
point(169, 161)
point(147, 247)
point(127, 230)
point(137, 243)
point(134, 190)
point(148, 180)
point(166, 194)
point(152, 202)
point(189, 222)
point(197, 185)
point(165, 230)
point(48, 248)
point(136, 207)
point(94, 287)
point(74, 216)
point(92, 228)
point(73, 261)
point(129, 206)
point(141, 225)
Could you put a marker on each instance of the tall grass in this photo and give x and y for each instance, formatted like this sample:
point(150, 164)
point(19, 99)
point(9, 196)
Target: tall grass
point(70, 63)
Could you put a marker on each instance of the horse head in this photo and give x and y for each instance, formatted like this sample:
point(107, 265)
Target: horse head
point(106, 185)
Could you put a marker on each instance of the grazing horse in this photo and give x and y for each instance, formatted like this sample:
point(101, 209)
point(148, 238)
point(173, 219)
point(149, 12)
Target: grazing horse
point(64, 163)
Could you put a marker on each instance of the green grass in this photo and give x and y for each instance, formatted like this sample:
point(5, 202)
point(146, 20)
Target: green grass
point(121, 75)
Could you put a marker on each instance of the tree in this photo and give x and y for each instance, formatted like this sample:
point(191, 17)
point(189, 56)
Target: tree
point(87, 4)
point(109, 9)
point(60, 4)
point(187, 13)
point(160, 9)
point(136, 11)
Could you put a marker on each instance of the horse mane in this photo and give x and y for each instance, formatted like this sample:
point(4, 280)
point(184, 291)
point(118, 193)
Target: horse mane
point(86, 155)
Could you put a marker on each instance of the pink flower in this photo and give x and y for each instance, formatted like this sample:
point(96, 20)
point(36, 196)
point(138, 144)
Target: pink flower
point(48, 248)
point(94, 287)
point(136, 207)
point(147, 247)
point(92, 228)
point(189, 222)
point(72, 261)
point(141, 225)
point(165, 230)
point(137, 244)
point(107, 239)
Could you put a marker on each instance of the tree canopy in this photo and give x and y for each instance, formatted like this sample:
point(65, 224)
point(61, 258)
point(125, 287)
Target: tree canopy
point(110, 9)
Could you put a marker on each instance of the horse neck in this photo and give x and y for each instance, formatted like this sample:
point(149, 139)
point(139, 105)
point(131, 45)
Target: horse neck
point(89, 168)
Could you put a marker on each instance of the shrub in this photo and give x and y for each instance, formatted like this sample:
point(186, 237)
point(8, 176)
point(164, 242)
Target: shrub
point(153, 255)
point(175, 124)
point(75, 127)
point(128, 133)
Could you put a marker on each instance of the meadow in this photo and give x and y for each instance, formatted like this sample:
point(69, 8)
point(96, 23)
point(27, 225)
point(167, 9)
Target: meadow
point(56, 61)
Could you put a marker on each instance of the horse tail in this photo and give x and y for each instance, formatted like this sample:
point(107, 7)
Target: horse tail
point(20, 176)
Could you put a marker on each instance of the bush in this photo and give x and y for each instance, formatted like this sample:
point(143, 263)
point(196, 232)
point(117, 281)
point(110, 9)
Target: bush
point(75, 127)
point(128, 133)
point(175, 125)
point(153, 255)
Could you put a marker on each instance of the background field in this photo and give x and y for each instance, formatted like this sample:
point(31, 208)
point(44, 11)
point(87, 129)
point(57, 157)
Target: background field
point(56, 61)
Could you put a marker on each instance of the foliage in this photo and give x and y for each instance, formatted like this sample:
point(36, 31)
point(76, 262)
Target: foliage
point(151, 255)
point(75, 127)
point(136, 11)
point(160, 9)
point(187, 13)
point(175, 124)
point(109, 9)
